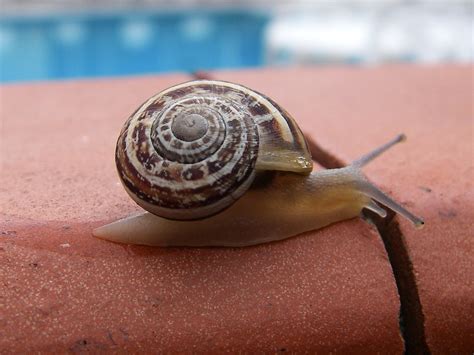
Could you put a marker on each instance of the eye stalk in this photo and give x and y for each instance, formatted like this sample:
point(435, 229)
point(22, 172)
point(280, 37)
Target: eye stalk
point(366, 187)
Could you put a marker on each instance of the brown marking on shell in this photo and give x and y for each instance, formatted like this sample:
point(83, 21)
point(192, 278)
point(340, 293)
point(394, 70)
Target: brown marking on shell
point(167, 137)
point(225, 154)
point(181, 92)
point(165, 174)
point(148, 162)
point(258, 109)
point(166, 120)
point(139, 134)
point(128, 172)
point(177, 144)
point(155, 106)
point(295, 130)
point(193, 173)
point(176, 172)
point(214, 166)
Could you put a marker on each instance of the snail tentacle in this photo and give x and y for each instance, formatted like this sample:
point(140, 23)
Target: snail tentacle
point(367, 158)
point(365, 186)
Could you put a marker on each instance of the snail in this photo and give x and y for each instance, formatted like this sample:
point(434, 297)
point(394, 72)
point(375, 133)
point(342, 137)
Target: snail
point(218, 164)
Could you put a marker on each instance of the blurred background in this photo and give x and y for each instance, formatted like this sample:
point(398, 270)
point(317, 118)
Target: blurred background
point(56, 39)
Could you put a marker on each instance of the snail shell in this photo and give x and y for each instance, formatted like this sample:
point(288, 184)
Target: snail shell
point(192, 150)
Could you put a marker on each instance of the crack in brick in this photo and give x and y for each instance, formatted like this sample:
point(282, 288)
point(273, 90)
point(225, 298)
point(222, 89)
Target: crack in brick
point(412, 319)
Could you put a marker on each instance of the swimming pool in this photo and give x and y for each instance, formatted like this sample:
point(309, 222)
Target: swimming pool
point(94, 45)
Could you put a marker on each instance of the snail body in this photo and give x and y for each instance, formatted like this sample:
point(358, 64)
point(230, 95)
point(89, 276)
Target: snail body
point(218, 164)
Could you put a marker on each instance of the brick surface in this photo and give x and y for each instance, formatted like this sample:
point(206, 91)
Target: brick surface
point(62, 289)
point(349, 112)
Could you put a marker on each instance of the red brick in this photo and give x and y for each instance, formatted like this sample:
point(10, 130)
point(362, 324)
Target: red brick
point(326, 290)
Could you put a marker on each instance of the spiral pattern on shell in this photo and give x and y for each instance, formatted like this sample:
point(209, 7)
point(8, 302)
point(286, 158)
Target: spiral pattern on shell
point(190, 151)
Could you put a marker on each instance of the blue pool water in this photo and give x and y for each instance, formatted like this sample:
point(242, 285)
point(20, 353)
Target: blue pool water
point(39, 48)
